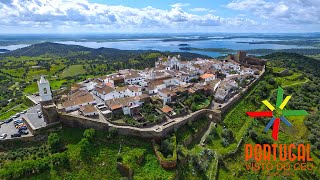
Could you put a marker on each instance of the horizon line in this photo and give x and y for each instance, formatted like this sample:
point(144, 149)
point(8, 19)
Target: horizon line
point(102, 33)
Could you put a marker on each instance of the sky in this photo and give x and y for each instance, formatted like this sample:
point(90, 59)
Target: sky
point(159, 16)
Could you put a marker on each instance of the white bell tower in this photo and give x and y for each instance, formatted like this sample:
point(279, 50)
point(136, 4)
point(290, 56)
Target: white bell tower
point(44, 90)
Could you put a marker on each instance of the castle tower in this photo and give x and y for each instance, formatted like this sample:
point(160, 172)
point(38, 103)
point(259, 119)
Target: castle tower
point(48, 108)
point(241, 56)
point(44, 90)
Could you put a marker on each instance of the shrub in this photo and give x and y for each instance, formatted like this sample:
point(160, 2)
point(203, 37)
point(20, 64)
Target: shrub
point(227, 135)
point(84, 146)
point(54, 142)
point(89, 134)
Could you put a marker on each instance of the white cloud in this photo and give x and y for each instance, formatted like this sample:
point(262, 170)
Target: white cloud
point(81, 14)
point(199, 9)
point(289, 11)
point(179, 5)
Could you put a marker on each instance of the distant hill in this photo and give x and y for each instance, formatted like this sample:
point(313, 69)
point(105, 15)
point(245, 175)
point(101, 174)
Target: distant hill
point(47, 48)
point(295, 61)
point(83, 53)
point(4, 50)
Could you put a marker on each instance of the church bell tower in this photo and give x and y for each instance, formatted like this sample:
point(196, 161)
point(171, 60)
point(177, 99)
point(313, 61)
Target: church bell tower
point(44, 90)
point(48, 108)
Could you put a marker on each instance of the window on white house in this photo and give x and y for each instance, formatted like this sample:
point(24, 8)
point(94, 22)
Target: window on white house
point(45, 91)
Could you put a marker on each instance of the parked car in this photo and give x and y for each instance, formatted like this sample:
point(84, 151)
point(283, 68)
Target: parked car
point(15, 116)
point(3, 136)
point(38, 110)
point(1, 122)
point(23, 112)
point(18, 121)
point(8, 120)
point(23, 128)
point(39, 115)
point(23, 132)
point(15, 135)
point(20, 125)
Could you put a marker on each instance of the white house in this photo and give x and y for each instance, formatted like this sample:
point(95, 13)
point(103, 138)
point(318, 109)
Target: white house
point(134, 91)
point(155, 86)
point(89, 86)
point(104, 92)
point(171, 82)
point(166, 95)
point(133, 78)
point(208, 77)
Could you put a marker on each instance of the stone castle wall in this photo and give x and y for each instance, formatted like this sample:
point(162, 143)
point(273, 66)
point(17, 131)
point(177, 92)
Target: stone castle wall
point(81, 122)
point(149, 133)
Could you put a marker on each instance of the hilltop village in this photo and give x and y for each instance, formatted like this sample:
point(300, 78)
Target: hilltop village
point(171, 88)
point(148, 103)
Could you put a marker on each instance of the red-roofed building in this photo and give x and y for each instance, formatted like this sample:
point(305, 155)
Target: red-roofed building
point(208, 77)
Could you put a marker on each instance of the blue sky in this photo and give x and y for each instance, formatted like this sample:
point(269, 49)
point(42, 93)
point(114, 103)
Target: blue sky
point(131, 16)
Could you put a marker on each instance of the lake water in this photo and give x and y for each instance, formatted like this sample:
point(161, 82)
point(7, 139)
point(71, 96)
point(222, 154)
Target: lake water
point(173, 46)
point(151, 42)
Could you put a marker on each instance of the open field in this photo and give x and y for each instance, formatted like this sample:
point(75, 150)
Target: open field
point(13, 111)
point(73, 70)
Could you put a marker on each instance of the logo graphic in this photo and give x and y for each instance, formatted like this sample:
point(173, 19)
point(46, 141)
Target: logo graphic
point(277, 112)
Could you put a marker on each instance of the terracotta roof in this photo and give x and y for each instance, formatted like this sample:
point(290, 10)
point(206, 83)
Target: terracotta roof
point(77, 94)
point(166, 109)
point(190, 90)
point(119, 89)
point(168, 92)
point(115, 78)
point(109, 84)
point(98, 82)
point(153, 84)
point(75, 87)
point(143, 96)
point(132, 75)
point(134, 88)
point(88, 109)
point(125, 101)
point(113, 104)
point(104, 89)
point(79, 100)
point(205, 76)
point(179, 89)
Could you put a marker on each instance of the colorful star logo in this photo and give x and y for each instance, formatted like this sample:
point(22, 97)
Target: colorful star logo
point(279, 112)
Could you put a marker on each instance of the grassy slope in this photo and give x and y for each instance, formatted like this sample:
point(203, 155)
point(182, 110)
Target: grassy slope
point(73, 70)
point(105, 151)
point(13, 111)
point(290, 135)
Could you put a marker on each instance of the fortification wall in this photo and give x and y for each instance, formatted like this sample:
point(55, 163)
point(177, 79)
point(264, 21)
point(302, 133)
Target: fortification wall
point(149, 133)
point(81, 122)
